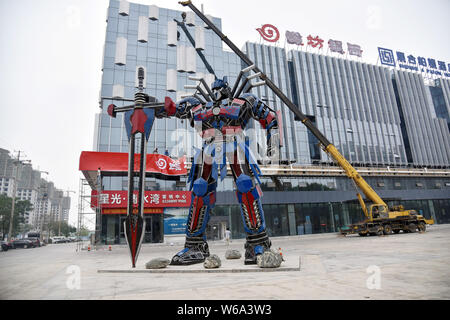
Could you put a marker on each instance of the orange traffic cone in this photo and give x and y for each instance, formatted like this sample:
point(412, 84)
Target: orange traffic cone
point(281, 254)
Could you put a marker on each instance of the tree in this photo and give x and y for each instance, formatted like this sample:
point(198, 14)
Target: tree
point(20, 208)
point(66, 229)
point(83, 232)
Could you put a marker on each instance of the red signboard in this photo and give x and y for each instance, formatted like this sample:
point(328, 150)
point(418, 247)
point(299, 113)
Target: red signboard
point(118, 162)
point(110, 199)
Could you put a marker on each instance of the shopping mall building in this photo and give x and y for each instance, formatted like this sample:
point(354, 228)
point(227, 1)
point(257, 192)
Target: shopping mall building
point(391, 124)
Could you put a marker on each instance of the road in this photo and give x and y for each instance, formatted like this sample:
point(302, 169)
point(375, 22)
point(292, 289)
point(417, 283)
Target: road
point(403, 266)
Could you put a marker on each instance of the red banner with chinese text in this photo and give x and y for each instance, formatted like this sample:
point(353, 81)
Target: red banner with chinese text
point(111, 199)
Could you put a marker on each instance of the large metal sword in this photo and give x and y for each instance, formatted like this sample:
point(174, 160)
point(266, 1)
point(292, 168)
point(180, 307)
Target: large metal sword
point(139, 119)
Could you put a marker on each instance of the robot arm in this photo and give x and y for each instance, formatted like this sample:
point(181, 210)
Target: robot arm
point(267, 117)
point(181, 110)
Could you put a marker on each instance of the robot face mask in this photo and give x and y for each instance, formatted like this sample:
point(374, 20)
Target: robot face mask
point(221, 89)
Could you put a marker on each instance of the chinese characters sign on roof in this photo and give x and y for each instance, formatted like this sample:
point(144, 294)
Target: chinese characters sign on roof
point(314, 42)
point(270, 33)
point(335, 46)
point(354, 49)
point(294, 38)
point(414, 63)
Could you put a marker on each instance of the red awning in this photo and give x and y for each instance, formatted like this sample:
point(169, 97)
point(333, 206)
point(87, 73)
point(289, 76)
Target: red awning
point(116, 164)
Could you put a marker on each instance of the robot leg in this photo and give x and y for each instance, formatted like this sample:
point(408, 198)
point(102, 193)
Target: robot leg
point(196, 248)
point(248, 195)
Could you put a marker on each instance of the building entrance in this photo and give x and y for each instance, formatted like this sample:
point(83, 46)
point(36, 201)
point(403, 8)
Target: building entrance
point(153, 231)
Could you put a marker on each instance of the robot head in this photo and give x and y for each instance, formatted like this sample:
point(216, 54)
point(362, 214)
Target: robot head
point(221, 89)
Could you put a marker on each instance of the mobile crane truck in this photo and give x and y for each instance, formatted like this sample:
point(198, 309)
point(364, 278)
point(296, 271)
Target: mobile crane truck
point(379, 218)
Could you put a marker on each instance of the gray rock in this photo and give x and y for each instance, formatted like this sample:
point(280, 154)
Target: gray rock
point(212, 262)
point(157, 263)
point(232, 254)
point(269, 259)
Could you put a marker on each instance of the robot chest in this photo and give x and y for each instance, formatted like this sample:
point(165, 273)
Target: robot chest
point(221, 112)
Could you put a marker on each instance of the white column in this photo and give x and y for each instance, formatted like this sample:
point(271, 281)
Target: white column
point(121, 51)
point(124, 8)
point(181, 58)
point(190, 18)
point(153, 12)
point(171, 33)
point(171, 82)
point(199, 38)
point(191, 59)
point(143, 29)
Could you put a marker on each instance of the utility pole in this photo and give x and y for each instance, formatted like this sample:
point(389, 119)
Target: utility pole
point(60, 210)
point(16, 174)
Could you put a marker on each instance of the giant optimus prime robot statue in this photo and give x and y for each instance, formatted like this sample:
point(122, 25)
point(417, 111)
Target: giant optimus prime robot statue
point(221, 123)
point(220, 115)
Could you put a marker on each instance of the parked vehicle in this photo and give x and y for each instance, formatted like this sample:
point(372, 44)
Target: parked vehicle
point(33, 235)
point(23, 243)
point(36, 241)
point(4, 246)
point(58, 240)
point(10, 244)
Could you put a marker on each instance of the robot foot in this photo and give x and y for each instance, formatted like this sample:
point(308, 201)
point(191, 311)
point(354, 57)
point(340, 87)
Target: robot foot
point(195, 251)
point(255, 245)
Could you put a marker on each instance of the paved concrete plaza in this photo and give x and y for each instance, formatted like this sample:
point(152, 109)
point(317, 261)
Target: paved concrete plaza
point(402, 266)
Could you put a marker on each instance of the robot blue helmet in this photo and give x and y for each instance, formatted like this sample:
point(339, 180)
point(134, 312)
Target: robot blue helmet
point(217, 84)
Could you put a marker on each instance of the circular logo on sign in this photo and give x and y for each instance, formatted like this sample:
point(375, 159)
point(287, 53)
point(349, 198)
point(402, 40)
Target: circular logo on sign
point(269, 33)
point(161, 163)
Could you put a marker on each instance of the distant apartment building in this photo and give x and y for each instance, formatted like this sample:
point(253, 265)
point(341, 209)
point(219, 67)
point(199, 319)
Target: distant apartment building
point(48, 202)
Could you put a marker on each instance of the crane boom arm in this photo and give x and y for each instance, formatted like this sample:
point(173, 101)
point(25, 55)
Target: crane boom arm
point(329, 148)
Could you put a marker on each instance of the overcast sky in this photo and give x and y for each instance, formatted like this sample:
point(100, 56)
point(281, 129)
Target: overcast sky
point(51, 54)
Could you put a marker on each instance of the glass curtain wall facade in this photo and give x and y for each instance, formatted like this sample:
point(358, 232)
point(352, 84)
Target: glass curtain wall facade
point(375, 116)
point(354, 106)
point(428, 134)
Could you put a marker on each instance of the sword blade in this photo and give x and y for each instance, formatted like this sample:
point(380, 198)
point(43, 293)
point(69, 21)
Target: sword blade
point(134, 226)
